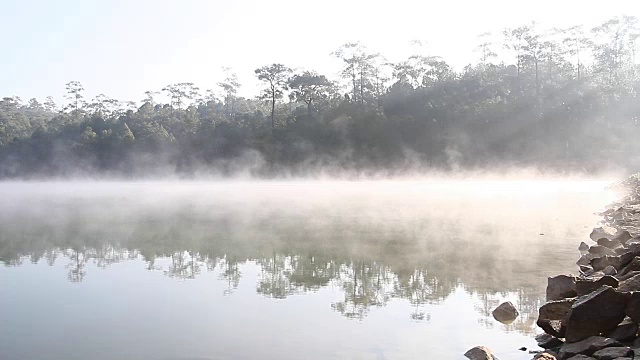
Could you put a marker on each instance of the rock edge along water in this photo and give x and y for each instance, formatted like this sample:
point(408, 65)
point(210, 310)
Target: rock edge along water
point(595, 314)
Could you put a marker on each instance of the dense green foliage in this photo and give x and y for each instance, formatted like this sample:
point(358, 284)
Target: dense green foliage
point(562, 99)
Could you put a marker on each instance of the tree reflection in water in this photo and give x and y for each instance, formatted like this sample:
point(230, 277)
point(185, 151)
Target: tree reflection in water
point(275, 276)
point(230, 273)
point(371, 253)
point(364, 285)
point(76, 266)
point(184, 265)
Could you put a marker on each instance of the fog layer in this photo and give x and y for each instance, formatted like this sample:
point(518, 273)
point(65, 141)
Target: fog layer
point(491, 236)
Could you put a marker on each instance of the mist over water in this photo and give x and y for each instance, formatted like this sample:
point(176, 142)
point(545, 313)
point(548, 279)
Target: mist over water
point(312, 269)
point(372, 190)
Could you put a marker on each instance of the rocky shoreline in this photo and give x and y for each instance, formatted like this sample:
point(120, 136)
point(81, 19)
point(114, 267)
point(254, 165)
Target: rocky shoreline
point(594, 314)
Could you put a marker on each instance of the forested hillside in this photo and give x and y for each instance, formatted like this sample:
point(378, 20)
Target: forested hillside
point(561, 99)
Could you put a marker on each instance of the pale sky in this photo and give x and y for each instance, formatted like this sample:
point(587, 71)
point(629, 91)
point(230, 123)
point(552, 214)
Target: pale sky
point(123, 48)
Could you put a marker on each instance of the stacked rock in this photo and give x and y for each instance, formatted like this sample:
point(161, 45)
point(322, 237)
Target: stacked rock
point(595, 314)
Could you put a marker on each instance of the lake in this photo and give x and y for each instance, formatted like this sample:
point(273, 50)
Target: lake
point(283, 269)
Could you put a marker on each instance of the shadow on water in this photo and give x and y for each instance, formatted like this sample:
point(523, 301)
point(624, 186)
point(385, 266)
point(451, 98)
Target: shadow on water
point(402, 246)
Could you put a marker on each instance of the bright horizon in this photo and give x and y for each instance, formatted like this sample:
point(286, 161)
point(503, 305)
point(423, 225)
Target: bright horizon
point(123, 48)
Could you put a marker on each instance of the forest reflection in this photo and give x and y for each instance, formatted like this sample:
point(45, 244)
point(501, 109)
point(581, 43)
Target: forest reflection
point(370, 253)
point(365, 285)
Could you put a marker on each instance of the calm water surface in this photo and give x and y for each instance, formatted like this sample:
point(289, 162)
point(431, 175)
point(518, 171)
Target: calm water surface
point(282, 270)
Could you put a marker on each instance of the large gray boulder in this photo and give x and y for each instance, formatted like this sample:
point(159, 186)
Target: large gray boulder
point(622, 250)
point(626, 276)
point(610, 270)
point(625, 258)
point(585, 259)
point(612, 353)
point(584, 247)
point(561, 287)
point(609, 243)
point(633, 307)
point(633, 243)
point(599, 250)
point(552, 316)
point(600, 263)
point(587, 286)
point(586, 271)
point(593, 314)
point(505, 313)
point(480, 353)
point(606, 232)
point(634, 265)
point(594, 275)
point(625, 331)
point(630, 284)
point(617, 261)
point(547, 341)
point(623, 237)
point(587, 346)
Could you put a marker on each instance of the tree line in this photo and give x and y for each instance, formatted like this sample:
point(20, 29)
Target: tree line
point(559, 98)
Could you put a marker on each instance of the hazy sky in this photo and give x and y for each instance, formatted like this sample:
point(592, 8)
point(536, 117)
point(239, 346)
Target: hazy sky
point(124, 47)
